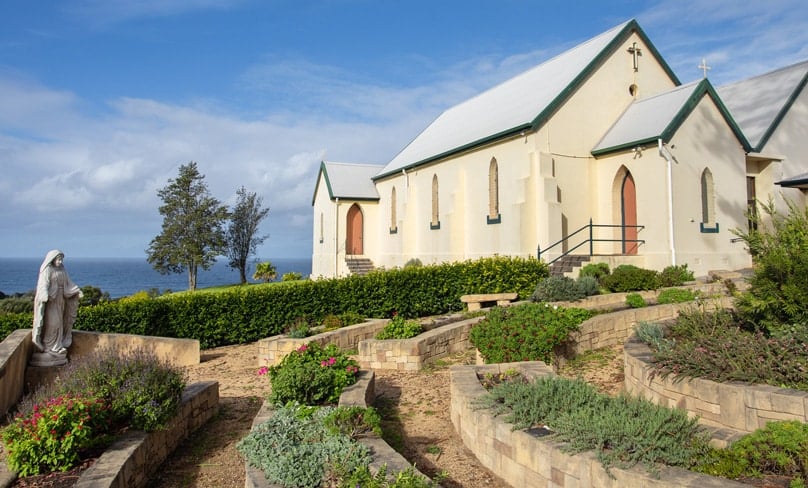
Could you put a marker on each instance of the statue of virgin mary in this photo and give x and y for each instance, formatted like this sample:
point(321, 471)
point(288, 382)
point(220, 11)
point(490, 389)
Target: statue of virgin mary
point(55, 305)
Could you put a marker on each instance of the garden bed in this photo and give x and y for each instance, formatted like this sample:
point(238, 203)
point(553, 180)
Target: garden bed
point(359, 394)
point(522, 459)
point(135, 455)
point(737, 406)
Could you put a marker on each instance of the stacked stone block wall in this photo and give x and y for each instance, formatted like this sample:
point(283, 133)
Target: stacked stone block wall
point(523, 460)
point(15, 350)
point(135, 456)
point(273, 349)
point(737, 406)
point(412, 354)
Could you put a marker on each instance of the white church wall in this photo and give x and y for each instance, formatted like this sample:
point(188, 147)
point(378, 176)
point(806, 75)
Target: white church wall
point(705, 141)
point(323, 260)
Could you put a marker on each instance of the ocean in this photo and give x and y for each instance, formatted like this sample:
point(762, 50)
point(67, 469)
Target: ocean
point(125, 276)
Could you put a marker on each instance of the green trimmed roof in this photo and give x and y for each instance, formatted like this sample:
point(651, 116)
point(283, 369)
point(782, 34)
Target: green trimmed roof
point(660, 116)
point(348, 181)
point(524, 102)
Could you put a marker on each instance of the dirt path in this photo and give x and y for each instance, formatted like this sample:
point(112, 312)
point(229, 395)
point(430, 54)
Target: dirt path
point(415, 406)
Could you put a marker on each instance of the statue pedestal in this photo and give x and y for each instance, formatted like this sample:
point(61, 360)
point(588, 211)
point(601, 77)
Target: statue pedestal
point(47, 359)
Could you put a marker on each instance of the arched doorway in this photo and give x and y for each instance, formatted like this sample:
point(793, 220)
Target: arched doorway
point(628, 201)
point(353, 233)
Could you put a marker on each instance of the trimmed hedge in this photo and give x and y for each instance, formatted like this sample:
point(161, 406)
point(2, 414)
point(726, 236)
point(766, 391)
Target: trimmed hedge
point(242, 314)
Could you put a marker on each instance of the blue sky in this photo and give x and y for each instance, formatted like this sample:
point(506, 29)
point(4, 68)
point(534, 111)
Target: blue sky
point(101, 101)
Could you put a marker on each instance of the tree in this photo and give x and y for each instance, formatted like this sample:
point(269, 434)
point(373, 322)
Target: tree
point(265, 271)
point(242, 238)
point(193, 226)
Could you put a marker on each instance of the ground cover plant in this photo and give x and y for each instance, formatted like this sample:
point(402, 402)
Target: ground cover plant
point(525, 332)
point(716, 346)
point(310, 447)
point(311, 375)
point(622, 431)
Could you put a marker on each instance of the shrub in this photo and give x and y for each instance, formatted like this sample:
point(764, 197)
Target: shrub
point(652, 334)
point(780, 448)
point(55, 434)
point(350, 318)
point(675, 276)
point(623, 431)
point(312, 375)
point(525, 332)
point(588, 285)
point(398, 328)
point(627, 277)
point(300, 329)
point(778, 295)
point(556, 289)
point(141, 391)
point(294, 448)
point(635, 300)
point(596, 270)
point(407, 478)
point(676, 295)
point(413, 263)
point(241, 314)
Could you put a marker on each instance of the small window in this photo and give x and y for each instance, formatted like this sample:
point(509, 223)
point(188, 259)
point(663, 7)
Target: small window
point(434, 223)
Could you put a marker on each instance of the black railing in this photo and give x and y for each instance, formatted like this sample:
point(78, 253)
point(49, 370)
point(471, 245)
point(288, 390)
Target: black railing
point(591, 239)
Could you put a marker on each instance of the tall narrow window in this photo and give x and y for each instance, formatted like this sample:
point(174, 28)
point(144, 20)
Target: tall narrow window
point(493, 193)
point(708, 223)
point(321, 227)
point(435, 222)
point(393, 219)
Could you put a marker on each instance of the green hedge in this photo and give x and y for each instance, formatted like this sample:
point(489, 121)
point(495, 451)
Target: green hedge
point(244, 314)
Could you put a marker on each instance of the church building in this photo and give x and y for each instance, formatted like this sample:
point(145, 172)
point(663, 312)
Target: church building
point(600, 151)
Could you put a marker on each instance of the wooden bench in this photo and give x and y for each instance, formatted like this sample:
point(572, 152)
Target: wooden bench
point(475, 302)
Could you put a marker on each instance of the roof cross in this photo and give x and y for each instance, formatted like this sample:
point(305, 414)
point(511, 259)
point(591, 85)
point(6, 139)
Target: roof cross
point(703, 66)
point(635, 52)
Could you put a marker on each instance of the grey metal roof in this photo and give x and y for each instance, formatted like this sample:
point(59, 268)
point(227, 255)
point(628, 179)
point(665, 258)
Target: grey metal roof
point(758, 104)
point(350, 180)
point(510, 105)
point(647, 118)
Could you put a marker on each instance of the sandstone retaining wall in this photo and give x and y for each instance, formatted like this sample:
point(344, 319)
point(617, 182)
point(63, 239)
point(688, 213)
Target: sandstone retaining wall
point(738, 406)
point(523, 460)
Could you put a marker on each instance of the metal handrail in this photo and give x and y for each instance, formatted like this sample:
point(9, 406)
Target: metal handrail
point(591, 240)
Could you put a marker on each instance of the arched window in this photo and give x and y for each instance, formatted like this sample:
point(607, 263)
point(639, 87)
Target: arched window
point(435, 222)
point(393, 226)
point(493, 193)
point(708, 223)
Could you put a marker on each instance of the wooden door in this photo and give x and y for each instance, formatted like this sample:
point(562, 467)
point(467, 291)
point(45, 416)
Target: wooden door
point(353, 235)
point(628, 195)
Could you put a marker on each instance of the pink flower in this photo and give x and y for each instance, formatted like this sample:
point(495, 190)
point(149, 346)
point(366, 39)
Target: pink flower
point(331, 361)
point(302, 348)
point(323, 363)
point(263, 370)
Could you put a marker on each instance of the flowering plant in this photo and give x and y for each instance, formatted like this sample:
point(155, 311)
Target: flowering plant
point(312, 375)
point(53, 435)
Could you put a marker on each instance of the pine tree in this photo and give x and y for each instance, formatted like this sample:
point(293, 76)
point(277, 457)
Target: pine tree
point(193, 226)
